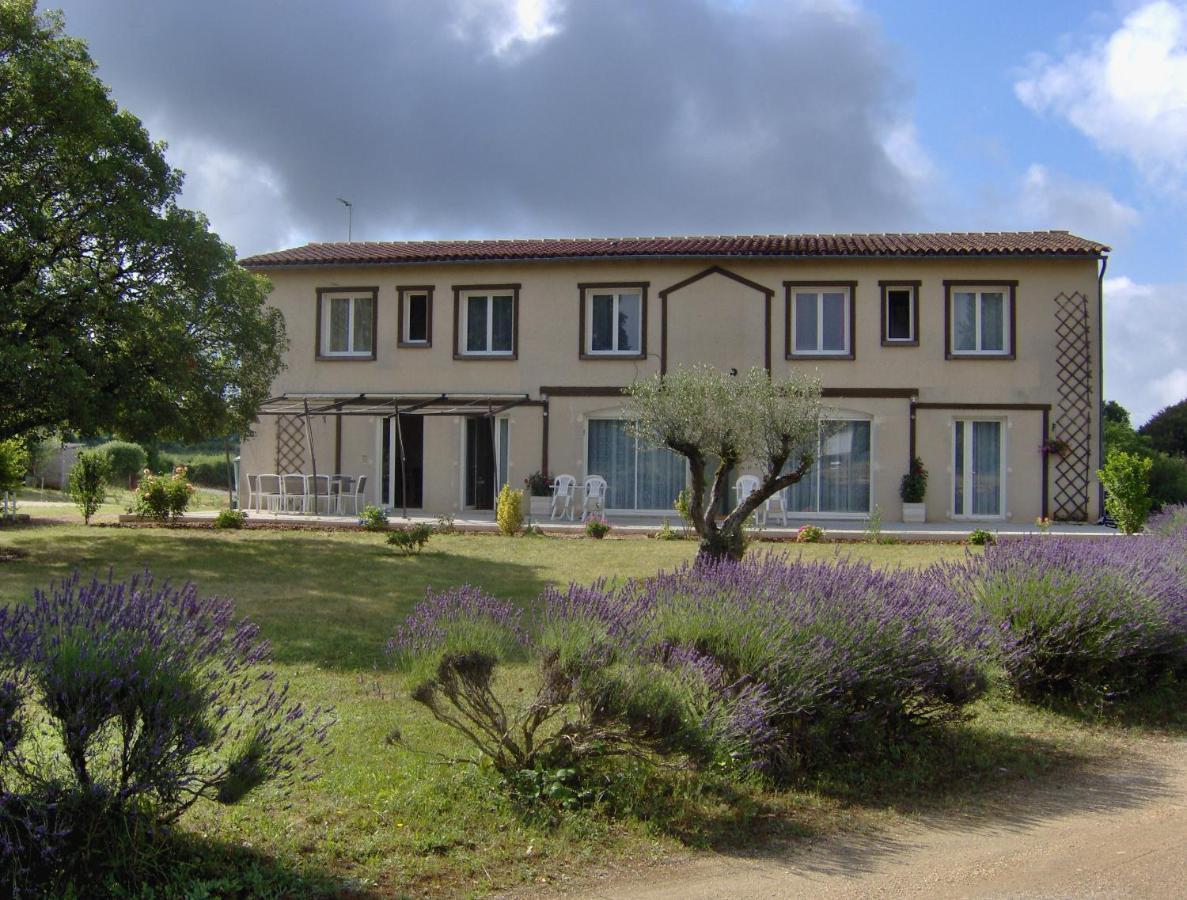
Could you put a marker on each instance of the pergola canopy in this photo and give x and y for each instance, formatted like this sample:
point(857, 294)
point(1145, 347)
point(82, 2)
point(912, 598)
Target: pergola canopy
point(323, 404)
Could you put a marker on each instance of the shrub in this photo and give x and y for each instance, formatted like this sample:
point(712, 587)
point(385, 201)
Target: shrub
point(913, 487)
point(597, 527)
point(763, 664)
point(1168, 480)
point(88, 482)
point(1126, 479)
point(14, 462)
point(509, 510)
point(809, 534)
point(207, 469)
point(153, 698)
point(163, 497)
point(979, 537)
point(126, 459)
point(373, 518)
point(410, 539)
point(1082, 617)
point(230, 518)
point(668, 533)
point(538, 484)
point(445, 524)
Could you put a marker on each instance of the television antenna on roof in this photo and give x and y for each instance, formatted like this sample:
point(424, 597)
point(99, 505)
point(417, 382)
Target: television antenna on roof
point(349, 217)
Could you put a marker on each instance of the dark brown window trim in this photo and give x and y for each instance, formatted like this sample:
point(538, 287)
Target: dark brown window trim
point(885, 393)
point(458, 290)
point(406, 290)
point(693, 279)
point(586, 286)
point(788, 288)
point(885, 287)
point(359, 357)
point(581, 391)
point(1011, 289)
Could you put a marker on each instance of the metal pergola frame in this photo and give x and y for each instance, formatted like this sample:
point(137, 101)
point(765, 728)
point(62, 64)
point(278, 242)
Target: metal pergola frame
point(389, 405)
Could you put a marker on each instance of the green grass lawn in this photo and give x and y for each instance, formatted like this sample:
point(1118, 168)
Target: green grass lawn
point(387, 818)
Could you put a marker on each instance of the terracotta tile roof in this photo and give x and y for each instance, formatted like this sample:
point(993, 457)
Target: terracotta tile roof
point(942, 244)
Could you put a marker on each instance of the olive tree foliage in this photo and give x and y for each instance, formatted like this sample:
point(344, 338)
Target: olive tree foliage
point(119, 310)
point(714, 419)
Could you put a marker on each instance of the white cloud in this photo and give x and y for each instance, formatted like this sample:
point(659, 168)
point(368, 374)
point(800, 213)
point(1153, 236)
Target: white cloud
point(1050, 200)
point(1127, 91)
point(507, 25)
point(1145, 345)
point(905, 150)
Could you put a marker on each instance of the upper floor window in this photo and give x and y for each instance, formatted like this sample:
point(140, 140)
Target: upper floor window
point(980, 319)
point(820, 319)
point(900, 313)
point(346, 319)
point(613, 320)
point(416, 316)
point(486, 320)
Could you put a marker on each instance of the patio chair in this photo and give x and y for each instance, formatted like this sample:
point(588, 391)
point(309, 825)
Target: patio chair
point(744, 487)
point(253, 491)
point(292, 492)
point(269, 493)
point(563, 490)
point(317, 490)
point(594, 489)
point(355, 497)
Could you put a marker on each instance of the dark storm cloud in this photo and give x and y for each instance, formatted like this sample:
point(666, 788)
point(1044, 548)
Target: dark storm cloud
point(634, 116)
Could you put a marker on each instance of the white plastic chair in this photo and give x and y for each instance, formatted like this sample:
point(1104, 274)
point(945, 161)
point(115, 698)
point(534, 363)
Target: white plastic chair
point(747, 485)
point(292, 492)
point(355, 498)
point(594, 489)
point(253, 492)
point(563, 490)
point(317, 490)
point(269, 492)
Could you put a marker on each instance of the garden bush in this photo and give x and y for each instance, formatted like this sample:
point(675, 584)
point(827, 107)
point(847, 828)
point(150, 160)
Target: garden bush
point(760, 665)
point(1126, 480)
point(163, 497)
point(979, 537)
point(230, 518)
point(509, 511)
point(126, 459)
point(597, 527)
point(88, 482)
point(14, 460)
point(809, 534)
point(373, 518)
point(410, 539)
point(1080, 618)
point(122, 705)
point(206, 469)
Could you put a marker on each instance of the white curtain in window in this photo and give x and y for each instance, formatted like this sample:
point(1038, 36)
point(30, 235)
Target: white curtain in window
point(364, 311)
point(637, 476)
point(987, 468)
point(964, 314)
point(992, 322)
point(839, 480)
point(339, 324)
point(503, 326)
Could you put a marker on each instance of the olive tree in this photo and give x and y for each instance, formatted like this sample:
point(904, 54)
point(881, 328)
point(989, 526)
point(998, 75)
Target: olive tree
point(723, 421)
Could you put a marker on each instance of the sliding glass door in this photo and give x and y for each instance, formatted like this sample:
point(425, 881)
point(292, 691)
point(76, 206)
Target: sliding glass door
point(978, 485)
point(839, 481)
point(638, 476)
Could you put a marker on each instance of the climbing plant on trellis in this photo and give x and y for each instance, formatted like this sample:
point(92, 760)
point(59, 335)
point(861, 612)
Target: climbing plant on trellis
point(1073, 412)
point(290, 444)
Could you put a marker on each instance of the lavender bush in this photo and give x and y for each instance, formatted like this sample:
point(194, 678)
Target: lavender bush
point(139, 699)
point(760, 664)
point(1083, 618)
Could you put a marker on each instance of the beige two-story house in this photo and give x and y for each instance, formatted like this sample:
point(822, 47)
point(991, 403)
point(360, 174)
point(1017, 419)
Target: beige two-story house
point(443, 369)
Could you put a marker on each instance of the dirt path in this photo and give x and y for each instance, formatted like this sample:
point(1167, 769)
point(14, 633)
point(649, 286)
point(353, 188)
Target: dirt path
point(1115, 831)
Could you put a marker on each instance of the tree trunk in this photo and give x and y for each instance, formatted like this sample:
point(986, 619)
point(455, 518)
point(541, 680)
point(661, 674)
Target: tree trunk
point(726, 543)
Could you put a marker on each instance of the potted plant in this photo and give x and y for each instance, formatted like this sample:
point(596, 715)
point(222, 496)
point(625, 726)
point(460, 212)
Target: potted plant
point(539, 490)
point(913, 489)
point(1057, 447)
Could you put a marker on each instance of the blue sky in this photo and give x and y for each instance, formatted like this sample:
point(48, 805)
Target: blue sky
point(466, 118)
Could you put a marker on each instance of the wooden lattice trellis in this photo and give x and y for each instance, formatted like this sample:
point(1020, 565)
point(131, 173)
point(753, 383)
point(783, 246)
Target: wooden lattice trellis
point(290, 444)
point(1073, 412)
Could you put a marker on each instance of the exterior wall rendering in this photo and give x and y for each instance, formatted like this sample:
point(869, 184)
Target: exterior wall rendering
point(962, 360)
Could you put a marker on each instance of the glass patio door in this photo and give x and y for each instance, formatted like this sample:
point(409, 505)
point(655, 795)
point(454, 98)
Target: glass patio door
point(977, 457)
point(638, 477)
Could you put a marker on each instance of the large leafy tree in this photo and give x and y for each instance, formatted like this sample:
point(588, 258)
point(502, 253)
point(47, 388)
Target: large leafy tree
point(719, 422)
point(119, 310)
point(1167, 431)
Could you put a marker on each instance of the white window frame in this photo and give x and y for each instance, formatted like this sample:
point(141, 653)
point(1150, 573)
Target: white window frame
point(617, 294)
point(327, 303)
point(847, 325)
point(840, 415)
point(620, 417)
point(464, 323)
point(1003, 463)
point(406, 317)
point(1007, 319)
point(913, 338)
